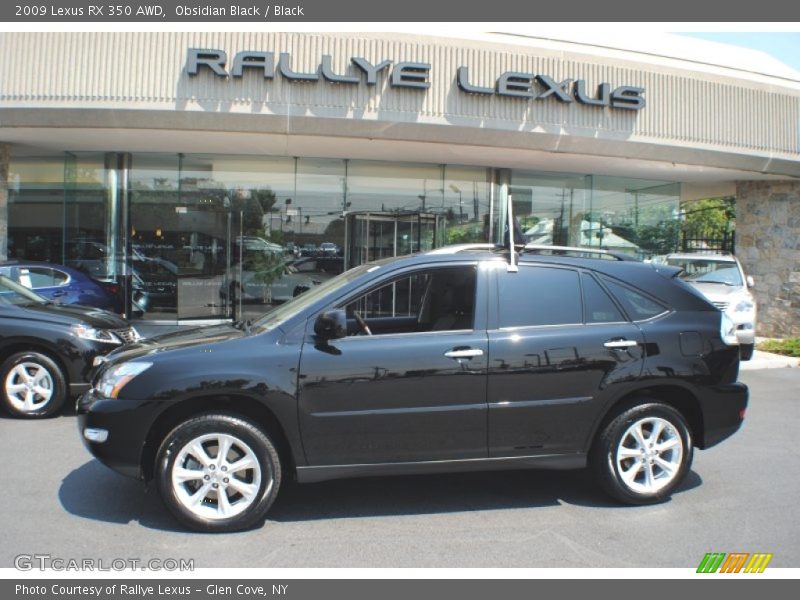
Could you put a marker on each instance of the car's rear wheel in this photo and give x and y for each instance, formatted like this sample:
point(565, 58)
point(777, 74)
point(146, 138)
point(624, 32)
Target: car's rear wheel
point(643, 454)
point(33, 385)
point(218, 472)
point(746, 351)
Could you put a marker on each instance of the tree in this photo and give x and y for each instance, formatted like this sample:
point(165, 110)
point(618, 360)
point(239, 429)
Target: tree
point(253, 208)
point(711, 218)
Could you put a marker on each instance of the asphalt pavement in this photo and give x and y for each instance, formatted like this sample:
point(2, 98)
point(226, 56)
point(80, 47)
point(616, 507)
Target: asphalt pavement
point(741, 496)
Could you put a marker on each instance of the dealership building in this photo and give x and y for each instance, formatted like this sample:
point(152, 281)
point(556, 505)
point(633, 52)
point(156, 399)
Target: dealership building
point(187, 166)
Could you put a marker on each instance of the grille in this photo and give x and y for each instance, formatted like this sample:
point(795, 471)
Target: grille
point(127, 335)
point(723, 306)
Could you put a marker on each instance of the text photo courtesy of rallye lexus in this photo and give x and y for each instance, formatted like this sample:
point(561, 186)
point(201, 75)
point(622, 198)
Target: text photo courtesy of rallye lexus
point(462, 358)
point(47, 349)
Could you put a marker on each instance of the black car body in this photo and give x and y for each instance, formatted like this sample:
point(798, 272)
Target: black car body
point(58, 342)
point(468, 365)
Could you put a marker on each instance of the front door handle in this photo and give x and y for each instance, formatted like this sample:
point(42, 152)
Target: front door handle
point(619, 344)
point(464, 353)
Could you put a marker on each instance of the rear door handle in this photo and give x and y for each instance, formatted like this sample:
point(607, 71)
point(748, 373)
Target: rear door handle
point(618, 344)
point(464, 353)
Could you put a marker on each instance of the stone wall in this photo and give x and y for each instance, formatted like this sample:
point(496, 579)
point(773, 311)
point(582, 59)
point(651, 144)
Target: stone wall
point(768, 244)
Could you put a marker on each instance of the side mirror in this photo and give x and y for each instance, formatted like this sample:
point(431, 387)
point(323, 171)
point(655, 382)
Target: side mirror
point(331, 325)
point(750, 281)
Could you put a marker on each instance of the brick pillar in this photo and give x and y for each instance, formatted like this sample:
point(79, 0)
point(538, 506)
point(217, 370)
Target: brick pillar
point(5, 158)
point(768, 244)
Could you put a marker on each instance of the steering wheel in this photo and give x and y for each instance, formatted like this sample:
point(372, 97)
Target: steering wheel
point(362, 323)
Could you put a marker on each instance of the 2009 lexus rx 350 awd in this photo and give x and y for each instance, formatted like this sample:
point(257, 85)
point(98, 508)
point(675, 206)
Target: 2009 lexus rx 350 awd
point(444, 361)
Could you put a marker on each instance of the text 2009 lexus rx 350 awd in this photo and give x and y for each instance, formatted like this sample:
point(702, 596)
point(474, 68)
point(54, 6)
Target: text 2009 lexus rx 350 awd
point(444, 361)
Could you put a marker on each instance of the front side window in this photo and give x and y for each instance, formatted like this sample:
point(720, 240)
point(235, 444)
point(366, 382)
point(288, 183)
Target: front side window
point(439, 299)
point(539, 296)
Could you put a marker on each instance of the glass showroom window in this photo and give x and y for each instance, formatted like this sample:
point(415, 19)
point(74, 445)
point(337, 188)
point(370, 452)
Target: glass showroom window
point(635, 216)
point(36, 209)
point(551, 207)
point(467, 204)
point(632, 216)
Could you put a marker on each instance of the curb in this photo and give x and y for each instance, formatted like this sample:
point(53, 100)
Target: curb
point(767, 360)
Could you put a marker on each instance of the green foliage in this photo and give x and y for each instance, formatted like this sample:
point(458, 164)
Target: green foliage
point(253, 208)
point(787, 347)
point(710, 218)
point(464, 234)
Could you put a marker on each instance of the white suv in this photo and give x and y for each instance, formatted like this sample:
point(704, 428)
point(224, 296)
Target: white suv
point(721, 279)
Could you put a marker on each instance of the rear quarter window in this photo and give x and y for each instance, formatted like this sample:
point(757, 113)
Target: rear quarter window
point(638, 306)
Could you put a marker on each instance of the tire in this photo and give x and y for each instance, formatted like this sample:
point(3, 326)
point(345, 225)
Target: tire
point(632, 472)
point(246, 501)
point(33, 385)
point(746, 351)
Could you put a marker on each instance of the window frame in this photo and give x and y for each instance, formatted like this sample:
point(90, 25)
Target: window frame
point(596, 278)
point(481, 310)
point(667, 308)
point(497, 305)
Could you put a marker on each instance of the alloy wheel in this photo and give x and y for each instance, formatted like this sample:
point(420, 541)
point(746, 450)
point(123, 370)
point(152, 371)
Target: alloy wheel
point(649, 454)
point(216, 476)
point(29, 387)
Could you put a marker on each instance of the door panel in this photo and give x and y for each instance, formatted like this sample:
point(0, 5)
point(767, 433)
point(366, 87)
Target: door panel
point(414, 391)
point(393, 398)
point(549, 362)
point(546, 384)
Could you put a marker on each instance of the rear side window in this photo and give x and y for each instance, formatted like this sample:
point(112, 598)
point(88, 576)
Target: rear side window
point(539, 296)
point(638, 306)
point(38, 277)
point(598, 304)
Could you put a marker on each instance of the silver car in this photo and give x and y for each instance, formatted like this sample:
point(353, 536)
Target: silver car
point(721, 279)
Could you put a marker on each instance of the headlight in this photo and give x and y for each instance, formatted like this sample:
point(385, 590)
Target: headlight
point(96, 335)
point(113, 380)
point(744, 306)
point(727, 331)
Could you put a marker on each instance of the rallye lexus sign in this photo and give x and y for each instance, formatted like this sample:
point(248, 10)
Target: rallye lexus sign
point(415, 76)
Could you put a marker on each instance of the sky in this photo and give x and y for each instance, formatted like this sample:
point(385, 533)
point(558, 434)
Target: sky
point(783, 46)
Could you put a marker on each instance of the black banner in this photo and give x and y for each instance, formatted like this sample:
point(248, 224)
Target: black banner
point(299, 11)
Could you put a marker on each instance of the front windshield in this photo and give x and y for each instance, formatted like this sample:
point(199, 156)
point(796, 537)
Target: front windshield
point(299, 303)
point(701, 270)
point(14, 294)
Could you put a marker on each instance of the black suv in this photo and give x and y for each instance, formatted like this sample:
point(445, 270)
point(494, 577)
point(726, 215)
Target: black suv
point(47, 349)
point(453, 360)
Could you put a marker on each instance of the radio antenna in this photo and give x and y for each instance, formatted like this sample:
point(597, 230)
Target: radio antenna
point(512, 253)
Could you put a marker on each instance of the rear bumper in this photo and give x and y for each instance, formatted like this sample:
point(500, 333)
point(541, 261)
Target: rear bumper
point(723, 409)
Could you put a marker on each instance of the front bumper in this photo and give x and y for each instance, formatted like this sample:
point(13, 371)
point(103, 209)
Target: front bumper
point(723, 407)
point(127, 423)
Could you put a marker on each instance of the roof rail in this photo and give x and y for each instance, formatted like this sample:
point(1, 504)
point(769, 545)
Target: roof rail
point(452, 249)
point(562, 250)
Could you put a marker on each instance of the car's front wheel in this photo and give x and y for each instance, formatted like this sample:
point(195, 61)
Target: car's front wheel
point(643, 453)
point(746, 351)
point(218, 472)
point(33, 385)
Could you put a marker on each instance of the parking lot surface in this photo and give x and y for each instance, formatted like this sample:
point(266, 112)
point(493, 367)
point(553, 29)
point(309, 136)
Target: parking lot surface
point(741, 496)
